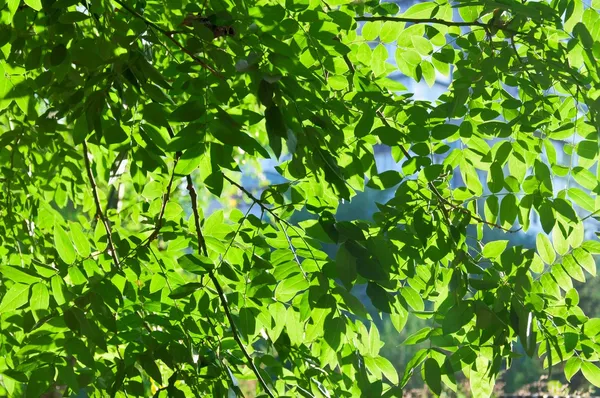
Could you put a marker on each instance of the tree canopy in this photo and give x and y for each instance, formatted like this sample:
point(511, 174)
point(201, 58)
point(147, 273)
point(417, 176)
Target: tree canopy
point(123, 120)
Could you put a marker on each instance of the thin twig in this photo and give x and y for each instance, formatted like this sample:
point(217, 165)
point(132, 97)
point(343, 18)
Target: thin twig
point(9, 211)
point(169, 35)
point(422, 20)
point(222, 298)
point(165, 200)
point(194, 198)
point(237, 231)
point(10, 176)
point(250, 196)
point(99, 213)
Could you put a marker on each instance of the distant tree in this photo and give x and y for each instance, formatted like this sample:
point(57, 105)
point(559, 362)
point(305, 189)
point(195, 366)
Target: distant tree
point(122, 120)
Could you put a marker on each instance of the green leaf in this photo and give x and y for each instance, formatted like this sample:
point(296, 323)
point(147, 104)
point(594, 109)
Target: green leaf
point(188, 112)
point(561, 245)
point(388, 135)
point(572, 299)
point(469, 13)
point(379, 297)
point(422, 45)
point(63, 245)
point(79, 350)
point(371, 30)
point(399, 318)
point(591, 246)
point(418, 336)
point(190, 159)
point(582, 199)
point(35, 4)
point(78, 237)
point(114, 133)
point(481, 384)
point(365, 124)
point(76, 275)
point(591, 372)
point(158, 282)
point(363, 53)
point(547, 217)
point(288, 288)
point(433, 376)
point(585, 260)
point(494, 249)
point(571, 367)
point(508, 210)
point(378, 64)
point(346, 267)
point(584, 178)
point(185, 290)
point(577, 235)
point(71, 17)
point(573, 268)
point(385, 180)
point(334, 331)
point(421, 10)
point(491, 209)
point(374, 341)
point(196, 264)
point(413, 298)
point(387, 369)
point(390, 31)
point(18, 275)
point(40, 298)
point(444, 131)
point(545, 249)
point(565, 209)
point(40, 381)
point(265, 93)
point(151, 368)
point(16, 297)
point(276, 128)
point(414, 362)
point(428, 72)
point(57, 285)
point(247, 323)
point(583, 34)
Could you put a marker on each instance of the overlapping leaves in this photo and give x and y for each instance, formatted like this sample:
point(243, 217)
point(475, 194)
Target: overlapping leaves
point(115, 114)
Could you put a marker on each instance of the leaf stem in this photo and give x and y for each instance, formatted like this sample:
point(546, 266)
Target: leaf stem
point(222, 298)
point(165, 200)
point(99, 213)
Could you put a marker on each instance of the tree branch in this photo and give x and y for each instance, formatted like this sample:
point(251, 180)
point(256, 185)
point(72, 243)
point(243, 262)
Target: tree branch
point(99, 213)
point(169, 36)
point(478, 24)
point(222, 298)
point(423, 20)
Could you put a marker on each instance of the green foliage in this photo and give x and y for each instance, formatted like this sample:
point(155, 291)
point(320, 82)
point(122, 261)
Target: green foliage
point(122, 120)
